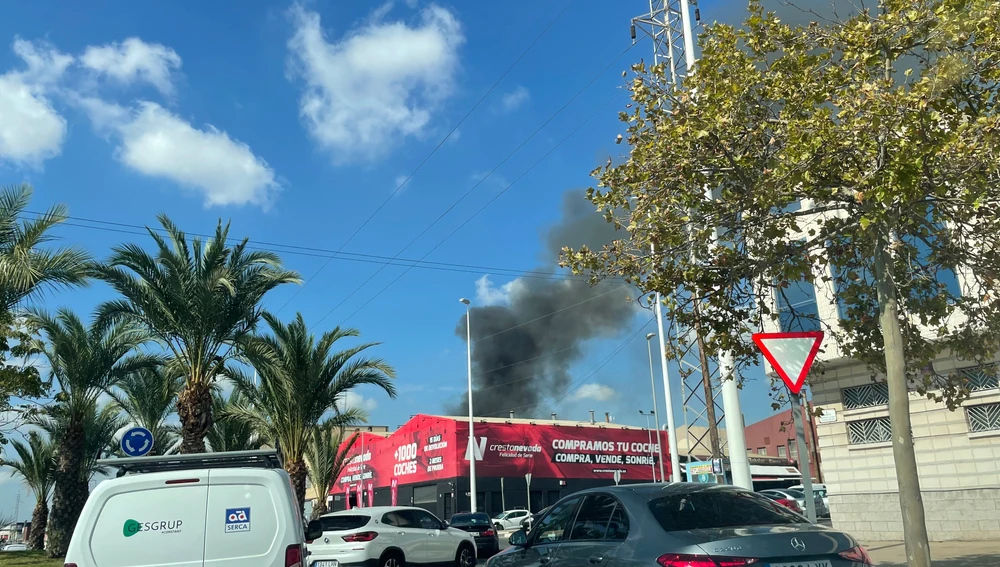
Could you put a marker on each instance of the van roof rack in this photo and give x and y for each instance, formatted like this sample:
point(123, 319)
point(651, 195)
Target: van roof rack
point(226, 460)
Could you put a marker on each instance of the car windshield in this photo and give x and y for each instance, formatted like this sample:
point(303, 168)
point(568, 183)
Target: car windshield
point(343, 522)
point(470, 519)
point(795, 493)
point(718, 509)
point(499, 516)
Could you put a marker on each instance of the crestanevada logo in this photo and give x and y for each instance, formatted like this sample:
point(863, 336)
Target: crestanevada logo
point(132, 527)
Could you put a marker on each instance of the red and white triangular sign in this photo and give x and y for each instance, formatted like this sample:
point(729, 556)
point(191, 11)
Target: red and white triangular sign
point(790, 354)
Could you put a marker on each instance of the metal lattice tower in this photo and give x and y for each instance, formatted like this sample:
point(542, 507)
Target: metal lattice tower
point(700, 386)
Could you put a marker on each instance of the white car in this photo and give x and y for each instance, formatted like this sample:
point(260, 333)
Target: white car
point(818, 489)
point(219, 509)
point(510, 520)
point(15, 547)
point(389, 536)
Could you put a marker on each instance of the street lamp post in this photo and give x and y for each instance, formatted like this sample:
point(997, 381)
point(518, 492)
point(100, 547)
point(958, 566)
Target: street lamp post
point(472, 433)
point(649, 435)
point(656, 415)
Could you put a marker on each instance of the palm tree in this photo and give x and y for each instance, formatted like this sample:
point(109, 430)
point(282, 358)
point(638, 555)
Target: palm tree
point(326, 455)
point(85, 361)
point(36, 465)
point(25, 268)
point(301, 379)
point(148, 397)
point(228, 434)
point(101, 424)
point(199, 299)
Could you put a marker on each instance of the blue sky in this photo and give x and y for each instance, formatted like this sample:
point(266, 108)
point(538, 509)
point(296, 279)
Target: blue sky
point(297, 121)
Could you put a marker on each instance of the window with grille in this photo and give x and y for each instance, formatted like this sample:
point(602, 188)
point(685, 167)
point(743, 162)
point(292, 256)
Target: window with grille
point(866, 396)
point(980, 378)
point(866, 431)
point(985, 417)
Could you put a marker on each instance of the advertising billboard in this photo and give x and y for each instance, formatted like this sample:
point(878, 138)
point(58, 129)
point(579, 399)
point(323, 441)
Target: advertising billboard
point(430, 448)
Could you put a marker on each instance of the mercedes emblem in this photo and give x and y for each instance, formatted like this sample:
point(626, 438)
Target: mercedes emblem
point(798, 544)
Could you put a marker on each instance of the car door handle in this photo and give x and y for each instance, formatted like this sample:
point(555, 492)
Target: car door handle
point(400, 533)
point(595, 559)
point(544, 560)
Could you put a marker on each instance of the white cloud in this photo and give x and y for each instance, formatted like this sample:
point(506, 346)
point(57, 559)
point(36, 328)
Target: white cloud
point(514, 99)
point(31, 130)
point(376, 84)
point(488, 294)
point(157, 143)
point(485, 177)
point(134, 60)
point(353, 399)
point(598, 392)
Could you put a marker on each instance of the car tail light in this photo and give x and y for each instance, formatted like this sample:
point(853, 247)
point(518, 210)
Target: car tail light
point(790, 504)
point(70, 565)
point(683, 560)
point(488, 533)
point(858, 555)
point(360, 537)
point(294, 556)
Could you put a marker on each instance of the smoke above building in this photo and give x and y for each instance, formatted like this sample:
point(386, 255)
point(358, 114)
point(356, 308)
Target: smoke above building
point(525, 342)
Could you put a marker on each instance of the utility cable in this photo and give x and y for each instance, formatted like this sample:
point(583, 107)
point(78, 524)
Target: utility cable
point(434, 151)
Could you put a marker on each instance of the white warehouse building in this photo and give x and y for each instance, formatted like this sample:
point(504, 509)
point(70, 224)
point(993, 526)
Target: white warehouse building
point(957, 452)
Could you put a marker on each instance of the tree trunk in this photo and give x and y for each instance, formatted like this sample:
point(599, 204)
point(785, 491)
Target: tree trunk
point(194, 407)
point(39, 519)
point(910, 502)
point(296, 469)
point(319, 508)
point(70, 492)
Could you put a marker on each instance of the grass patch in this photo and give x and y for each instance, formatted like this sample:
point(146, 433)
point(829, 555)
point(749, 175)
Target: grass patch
point(28, 559)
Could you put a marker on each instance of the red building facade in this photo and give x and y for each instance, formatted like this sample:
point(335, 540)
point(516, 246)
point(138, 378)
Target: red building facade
point(775, 437)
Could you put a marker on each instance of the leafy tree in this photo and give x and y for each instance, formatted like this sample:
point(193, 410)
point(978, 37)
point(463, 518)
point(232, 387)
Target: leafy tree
point(300, 380)
point(84, 361)
point(227, 433)
point(326, 455)
point(27, 269)
point(36, 467)
point(148, 397)
point(882, 127)
point(199, 299)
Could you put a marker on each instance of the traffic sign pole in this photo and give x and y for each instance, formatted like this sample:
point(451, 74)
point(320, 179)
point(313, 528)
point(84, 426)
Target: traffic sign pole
point(804, 468)
point(527, 478)
point(791, 355)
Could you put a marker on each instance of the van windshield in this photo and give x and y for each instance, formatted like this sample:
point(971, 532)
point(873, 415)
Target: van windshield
point(343, 522)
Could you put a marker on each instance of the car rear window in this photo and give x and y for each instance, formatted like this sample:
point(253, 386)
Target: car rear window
point(470, 519)
point(343, 522)
point(718, 509)
point(795, 493)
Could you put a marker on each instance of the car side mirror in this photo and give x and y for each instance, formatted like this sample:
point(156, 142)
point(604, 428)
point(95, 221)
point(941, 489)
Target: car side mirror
point(444, 525)
point(314, 530)
point(518, 539)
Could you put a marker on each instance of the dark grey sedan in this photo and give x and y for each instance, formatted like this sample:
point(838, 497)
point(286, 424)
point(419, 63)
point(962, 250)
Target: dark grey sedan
point(677, 525)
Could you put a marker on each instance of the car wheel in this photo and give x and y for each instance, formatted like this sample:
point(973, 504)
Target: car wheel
point(392, 559)
point(499, 527)
point(465, 557)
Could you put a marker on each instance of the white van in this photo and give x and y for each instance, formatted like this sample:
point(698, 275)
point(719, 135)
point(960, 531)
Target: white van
point(205, 510)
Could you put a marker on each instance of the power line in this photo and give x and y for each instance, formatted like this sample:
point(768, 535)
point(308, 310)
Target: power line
point(434, 151)
point(330, 254)
point(442, 241)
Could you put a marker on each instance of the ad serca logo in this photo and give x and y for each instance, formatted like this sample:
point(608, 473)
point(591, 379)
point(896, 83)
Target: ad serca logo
point(237, 520)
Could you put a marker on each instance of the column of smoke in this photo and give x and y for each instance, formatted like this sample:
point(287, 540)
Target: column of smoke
point(522, 352)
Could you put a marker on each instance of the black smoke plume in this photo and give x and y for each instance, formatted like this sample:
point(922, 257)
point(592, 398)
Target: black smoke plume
point(522, 350)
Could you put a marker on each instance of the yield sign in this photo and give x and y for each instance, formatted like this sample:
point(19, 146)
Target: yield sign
point(790, 354)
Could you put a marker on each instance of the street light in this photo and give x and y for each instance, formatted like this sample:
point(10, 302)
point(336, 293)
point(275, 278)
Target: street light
point(649, 435)
point(652, 384)
point(472, 436)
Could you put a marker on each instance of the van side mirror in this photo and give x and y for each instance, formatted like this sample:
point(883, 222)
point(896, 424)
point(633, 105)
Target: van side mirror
point(314, 530)
point(518, 538)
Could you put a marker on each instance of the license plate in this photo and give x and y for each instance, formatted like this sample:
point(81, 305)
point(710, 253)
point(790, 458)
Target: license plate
point(813, 563)
point(326, 563)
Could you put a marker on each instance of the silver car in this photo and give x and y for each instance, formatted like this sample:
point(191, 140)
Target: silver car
point(677, 525)
point(822, 511)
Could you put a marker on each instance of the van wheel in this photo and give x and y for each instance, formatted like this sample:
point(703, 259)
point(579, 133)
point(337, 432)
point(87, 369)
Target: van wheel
point(465, 557)
point(392, 559)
